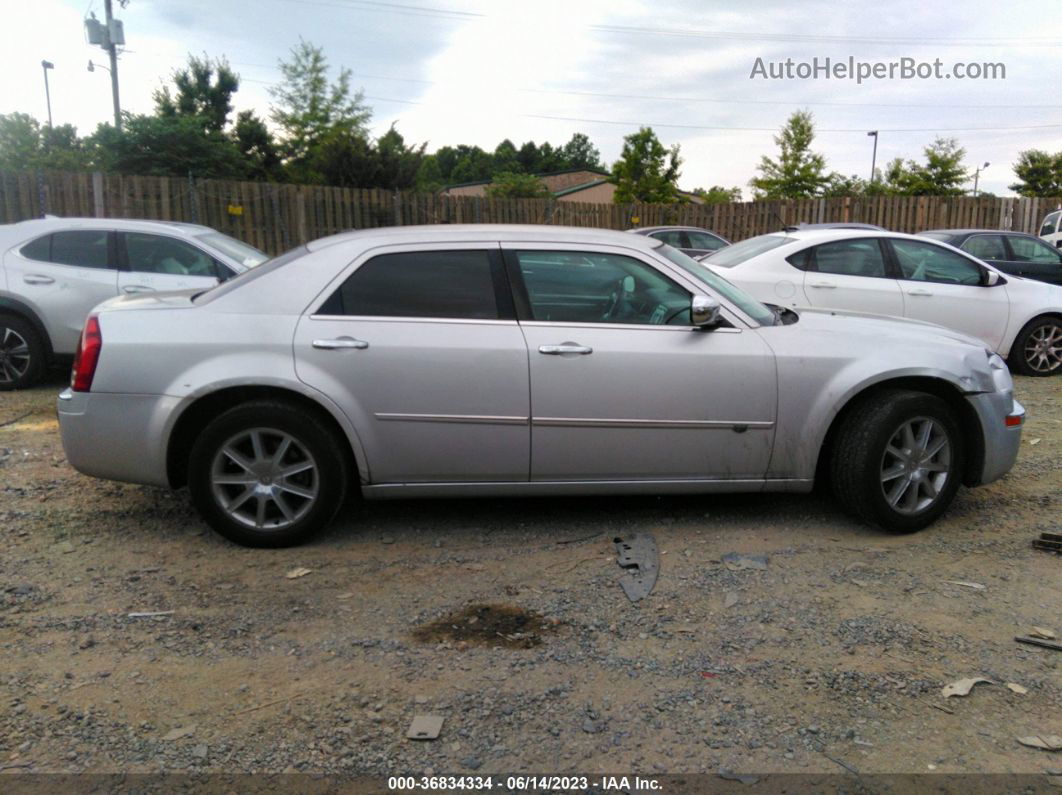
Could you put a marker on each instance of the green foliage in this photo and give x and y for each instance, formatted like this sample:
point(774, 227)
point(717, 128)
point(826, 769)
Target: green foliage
point(204, 89)
point(510, 185)
point(258, 147)
point(25, 144)
point(942, 173)
point(798, 173)
point(647, 171)
point(308, 109)
point(580, 153)
point(348, 159)
point(1039, 173)
point(717, 194)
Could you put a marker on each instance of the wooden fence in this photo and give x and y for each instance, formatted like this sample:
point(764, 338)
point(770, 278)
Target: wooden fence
point(275, 217)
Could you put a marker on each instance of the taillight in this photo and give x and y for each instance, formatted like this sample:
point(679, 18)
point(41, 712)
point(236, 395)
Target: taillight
point(87, 356)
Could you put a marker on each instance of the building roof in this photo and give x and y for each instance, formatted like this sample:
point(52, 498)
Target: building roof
point(540, 175)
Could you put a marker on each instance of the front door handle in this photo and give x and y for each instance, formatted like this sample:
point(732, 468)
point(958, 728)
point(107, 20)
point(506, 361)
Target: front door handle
point(565, 347)
point(340, 343)
point(36, 278)
point(137, 288)
point(824, 285)
point(919, 292)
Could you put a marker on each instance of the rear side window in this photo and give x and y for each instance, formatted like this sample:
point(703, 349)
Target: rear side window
point(985, 247)
point(40, 249)
point(706, 242)
point(1050, 224)
point(673, 237)
point(86, 248)
point(860, 257)
point(436, 284)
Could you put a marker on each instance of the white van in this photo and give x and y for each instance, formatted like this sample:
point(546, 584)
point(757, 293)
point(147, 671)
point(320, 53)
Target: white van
point(1051, 228)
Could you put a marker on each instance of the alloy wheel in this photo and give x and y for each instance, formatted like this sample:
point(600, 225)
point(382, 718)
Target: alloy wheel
point(14, 356)
point(1043, 348)
point(916, 465)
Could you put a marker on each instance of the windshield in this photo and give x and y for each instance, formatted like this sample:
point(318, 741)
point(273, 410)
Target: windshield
point(747, 249)
point(745, 302)
point(248, 275)
point(246, 255)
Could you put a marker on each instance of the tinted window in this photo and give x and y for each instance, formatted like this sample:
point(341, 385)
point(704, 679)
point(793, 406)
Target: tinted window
point(673, 237)
point(167, 255)
point(444, 284)
point(925, 262)
point(1028, 249)
point(802, 259)
point(745, 302)
point(705, 241)
point(85, 248)
point(40, 249)
point(985, 247)
point(1050, 224)
point(747, 249)
point(861, 257)
point(588, 287)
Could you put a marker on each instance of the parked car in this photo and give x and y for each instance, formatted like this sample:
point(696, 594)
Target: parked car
point(690, 240)
point(837, 225)
point(1051, 228)
point(887, 273)
point(54, 270)
point(1010, 252)
point(520, 360)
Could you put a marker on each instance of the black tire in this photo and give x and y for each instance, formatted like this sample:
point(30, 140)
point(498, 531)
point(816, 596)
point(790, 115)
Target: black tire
point(1028, 356)
point(288, 516)
point(22, 354)
point(861, 460)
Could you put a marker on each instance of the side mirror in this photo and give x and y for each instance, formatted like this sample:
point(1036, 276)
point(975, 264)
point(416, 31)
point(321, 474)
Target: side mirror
point(994, 279)
point(704, 312)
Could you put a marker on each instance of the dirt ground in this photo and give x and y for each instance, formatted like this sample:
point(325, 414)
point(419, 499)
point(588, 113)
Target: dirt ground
point(831, 655)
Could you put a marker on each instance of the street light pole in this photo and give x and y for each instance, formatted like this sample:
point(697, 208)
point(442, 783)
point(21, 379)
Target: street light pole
point(874, 156)
point(977, 174)
point(112, 50)
point(45, 66)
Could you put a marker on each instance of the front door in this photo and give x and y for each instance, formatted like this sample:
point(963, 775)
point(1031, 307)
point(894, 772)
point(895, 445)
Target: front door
point(153, 262)
point(851, 275)
point(1034, 259)
point(623, 388)
point(421, 349)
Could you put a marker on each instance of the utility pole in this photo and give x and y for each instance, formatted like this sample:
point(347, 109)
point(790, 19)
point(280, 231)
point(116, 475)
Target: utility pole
point(977, 174)
point(46, 65)
point(873, 157)
point(112, 50)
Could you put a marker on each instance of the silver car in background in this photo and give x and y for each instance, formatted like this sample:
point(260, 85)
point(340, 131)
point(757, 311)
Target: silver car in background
point(54, 270)
point(520, 360)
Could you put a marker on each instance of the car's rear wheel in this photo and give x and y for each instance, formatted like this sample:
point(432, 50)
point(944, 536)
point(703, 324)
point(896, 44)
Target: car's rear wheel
point(21, 354)
point(1037, 349)
point(897, 460)
point(267, 474)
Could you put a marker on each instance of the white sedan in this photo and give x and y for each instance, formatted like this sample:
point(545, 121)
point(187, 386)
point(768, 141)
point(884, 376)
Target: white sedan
point(886, 273)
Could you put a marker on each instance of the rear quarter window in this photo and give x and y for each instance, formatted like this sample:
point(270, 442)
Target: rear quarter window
point(39, 249)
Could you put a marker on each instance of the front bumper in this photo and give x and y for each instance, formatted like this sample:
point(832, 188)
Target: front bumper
point(118, 437)
point(1001, 437)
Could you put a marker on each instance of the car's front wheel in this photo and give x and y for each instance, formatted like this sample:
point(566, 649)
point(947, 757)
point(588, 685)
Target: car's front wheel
point(1037, 349)
point(897, 460)
point(267, 474)
point(21, 354)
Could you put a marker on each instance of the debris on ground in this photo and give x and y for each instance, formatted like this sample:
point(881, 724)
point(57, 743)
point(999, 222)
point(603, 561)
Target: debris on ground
point(488, 625)
point(150, 614)
point(297, 572)
point(425, 727)
point(962, 687)
point(1013, 687)
point(1049, 542)
point(179, 733)
point(640, 562)
point(1046, 742)
point(743, 778)
point(736, 562)
point(975, 585)
point(1047, 644)
point(1041, 632)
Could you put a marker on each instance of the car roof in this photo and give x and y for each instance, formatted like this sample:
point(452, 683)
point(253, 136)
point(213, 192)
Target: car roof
point(957, 232)
point(645, 230)
point(54, 223)
point(485, 233)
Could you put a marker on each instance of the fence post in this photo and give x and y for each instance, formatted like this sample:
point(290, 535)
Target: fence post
point(300, 214)
point(193, 200)
point(396, 201)
point(42, 193)
point(98, 206)
point(476, 209)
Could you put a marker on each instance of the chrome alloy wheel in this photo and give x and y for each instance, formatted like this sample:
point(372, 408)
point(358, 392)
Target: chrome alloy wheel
point(1043, 349)
point(915, 466)
point(264, 478)
point(14, 355)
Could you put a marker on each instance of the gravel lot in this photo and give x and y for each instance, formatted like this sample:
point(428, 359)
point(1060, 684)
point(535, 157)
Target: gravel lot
point(835, 652)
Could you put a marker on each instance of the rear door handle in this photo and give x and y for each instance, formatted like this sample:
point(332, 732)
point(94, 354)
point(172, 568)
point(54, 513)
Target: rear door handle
point(36, 278)
point(137, 288)
point(340, 343)
point(919, 292)
point(565, 347)
point(824, 285)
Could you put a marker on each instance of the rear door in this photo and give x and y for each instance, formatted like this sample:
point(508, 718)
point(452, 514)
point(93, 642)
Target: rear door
point(942, 286)
point(63, 275)
point(151, 262)
point(1034, 259)
point(852, 275)
point(420, 347)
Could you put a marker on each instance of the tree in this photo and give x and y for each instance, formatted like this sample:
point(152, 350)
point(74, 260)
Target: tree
point(204, 89)
point(510, 185)
point(165, 146)
point(942, 174)
point(25, 144)
point(798, 172)
point(398, 162)
point(257, 146)
point(580, 153)
point(717, 194)
point(1039, 173)
point(308, 108)
point(646, 170)
point(347, 158)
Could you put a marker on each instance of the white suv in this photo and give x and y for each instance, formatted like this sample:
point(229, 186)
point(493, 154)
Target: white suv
point(54, 270)
point(1051, 228)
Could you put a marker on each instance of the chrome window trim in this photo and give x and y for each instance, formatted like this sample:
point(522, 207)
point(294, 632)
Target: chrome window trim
point(404, 319)
point(638, 326)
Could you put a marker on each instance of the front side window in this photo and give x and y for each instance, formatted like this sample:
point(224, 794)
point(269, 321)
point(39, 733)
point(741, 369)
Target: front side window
point(1050, 224)
point(245, 254)
point(925, 262)
point(1028, 249)
point(591, 287)
point(705, 242)
point(985, 247)
point(859, 257)
point(148, 253)
point(85, 248)
point(428, 284)
point(742, 300)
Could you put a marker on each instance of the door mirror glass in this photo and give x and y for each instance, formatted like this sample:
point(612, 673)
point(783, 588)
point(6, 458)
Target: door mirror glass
point(704, 312)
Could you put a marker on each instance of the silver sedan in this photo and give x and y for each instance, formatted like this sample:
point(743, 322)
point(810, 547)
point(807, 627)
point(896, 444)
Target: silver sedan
point(510, 360)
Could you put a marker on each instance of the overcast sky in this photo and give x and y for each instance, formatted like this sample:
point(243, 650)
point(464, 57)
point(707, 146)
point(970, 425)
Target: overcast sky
point(475, 71)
